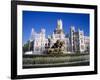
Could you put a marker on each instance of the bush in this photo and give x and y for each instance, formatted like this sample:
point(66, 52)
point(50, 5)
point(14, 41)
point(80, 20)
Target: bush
point(54, 59)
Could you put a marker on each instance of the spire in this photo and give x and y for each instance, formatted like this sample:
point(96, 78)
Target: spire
point(59, 24)
point(72, 28)
point(32, 31)
point(32, 34)
point(43, 30)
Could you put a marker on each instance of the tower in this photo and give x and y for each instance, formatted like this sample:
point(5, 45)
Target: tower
point(31, 43)
point(81, 41)
point(72, 31)
point(42, 34)
point(59, 24)
point(32, 34)
point(43, 39)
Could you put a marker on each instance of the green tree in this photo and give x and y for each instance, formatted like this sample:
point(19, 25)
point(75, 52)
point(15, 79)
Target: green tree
point(26, 47)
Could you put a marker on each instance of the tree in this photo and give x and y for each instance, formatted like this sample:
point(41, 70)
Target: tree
point(26, 47)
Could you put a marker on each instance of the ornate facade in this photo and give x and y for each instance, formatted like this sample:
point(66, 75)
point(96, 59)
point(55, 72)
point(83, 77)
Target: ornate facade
point(74, 42)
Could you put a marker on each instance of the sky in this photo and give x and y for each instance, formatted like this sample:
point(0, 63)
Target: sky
point(48, 21)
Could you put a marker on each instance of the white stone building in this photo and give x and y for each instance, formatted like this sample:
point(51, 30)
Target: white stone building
point(87, 43)
point(75, 42)
point(38, 41)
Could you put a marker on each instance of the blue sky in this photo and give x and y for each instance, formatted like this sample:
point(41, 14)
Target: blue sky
point(48, 21)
